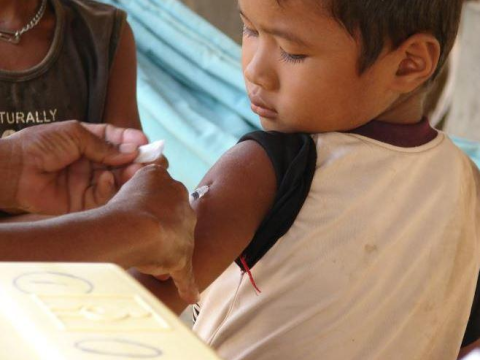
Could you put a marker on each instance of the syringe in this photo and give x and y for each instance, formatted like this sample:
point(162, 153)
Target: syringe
point(199, 193)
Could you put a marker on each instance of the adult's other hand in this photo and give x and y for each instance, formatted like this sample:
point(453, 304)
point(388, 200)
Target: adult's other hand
point(61, 168)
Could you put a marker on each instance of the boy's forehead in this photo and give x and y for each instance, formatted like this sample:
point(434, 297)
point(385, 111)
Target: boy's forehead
point(291, 19)
point(299, 7)
point(319, 5)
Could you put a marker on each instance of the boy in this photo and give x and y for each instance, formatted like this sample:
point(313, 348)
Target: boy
point(360, 240)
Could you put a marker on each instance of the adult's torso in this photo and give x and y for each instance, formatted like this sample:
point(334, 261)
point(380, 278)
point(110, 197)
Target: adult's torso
point(72, 79)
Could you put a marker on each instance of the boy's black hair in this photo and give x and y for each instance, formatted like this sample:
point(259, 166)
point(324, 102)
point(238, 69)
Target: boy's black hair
point(377, 21)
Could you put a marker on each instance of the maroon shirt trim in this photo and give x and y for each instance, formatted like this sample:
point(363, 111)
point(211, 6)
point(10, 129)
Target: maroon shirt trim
point(401, 135)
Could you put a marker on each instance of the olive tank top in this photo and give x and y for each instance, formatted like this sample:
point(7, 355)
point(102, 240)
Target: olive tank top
point(70, 83)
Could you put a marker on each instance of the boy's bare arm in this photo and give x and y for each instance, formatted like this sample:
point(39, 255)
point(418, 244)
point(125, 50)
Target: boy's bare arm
point(121, 107)
point(242, 190)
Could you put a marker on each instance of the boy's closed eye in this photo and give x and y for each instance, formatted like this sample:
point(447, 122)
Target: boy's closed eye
point(249, 32)
point(291, 58)
point(284, 55)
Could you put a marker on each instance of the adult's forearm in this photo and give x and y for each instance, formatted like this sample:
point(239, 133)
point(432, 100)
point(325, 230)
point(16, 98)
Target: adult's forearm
point(24, 218)
point(92, 236)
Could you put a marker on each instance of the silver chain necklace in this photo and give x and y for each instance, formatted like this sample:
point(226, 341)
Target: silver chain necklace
point(13, 37)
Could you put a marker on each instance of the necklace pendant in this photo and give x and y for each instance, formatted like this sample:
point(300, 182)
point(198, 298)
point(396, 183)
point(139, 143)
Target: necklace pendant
point(15, 40)
point(12, 39)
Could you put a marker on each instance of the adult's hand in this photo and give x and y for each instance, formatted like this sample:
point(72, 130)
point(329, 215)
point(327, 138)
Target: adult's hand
point(165, 224)
point(61, 168)
point(148, 224)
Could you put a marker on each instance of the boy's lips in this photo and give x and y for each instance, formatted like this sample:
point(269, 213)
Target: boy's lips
point(260, 108)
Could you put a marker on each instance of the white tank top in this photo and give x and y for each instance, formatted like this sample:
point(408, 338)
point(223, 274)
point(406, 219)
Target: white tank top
point(381, 262)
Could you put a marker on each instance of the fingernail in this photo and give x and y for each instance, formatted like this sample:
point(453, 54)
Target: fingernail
point(111, 183)
point(128, 148)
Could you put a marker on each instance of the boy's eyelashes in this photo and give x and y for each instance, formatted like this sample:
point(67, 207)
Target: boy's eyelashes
point(291, 58)
point(249, 32)
point(284, 56)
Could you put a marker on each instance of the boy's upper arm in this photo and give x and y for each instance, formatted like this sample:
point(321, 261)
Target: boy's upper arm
point(256, 192)
point(121, 107)
point(242, 190)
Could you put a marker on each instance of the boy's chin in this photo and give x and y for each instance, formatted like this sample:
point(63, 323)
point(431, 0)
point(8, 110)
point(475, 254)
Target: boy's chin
point(270, 125)
point(275, 125)
point(266, 125)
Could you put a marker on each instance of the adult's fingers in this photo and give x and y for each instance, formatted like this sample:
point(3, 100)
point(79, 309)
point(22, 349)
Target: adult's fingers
point(59, 145)
point(133, 136)
point(163, 277)
point(98, 149)
point(99, 192)
point(116, 135)
point(79, 177)
point(125, 173)
point(103, 189)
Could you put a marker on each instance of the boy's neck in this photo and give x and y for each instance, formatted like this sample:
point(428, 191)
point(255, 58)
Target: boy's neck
point(406, 110)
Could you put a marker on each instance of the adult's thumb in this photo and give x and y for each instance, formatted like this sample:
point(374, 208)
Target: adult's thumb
point(99, 150)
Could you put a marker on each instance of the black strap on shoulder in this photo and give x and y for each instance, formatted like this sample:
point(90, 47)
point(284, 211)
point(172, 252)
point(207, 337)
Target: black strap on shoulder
point(294, 158)
point(472, 333)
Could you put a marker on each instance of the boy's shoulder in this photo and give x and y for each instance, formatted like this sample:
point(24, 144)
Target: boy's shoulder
point(285, 149)
point(293, 158)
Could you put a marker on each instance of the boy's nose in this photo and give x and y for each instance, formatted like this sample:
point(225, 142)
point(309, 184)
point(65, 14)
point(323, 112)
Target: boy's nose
point(260, 71)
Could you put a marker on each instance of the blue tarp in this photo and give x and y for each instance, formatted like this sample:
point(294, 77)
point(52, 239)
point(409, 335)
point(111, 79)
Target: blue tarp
point(190, 86)
point(471, 148)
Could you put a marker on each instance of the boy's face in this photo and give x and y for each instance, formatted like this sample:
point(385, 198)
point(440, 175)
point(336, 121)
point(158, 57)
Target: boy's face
point(300, 69)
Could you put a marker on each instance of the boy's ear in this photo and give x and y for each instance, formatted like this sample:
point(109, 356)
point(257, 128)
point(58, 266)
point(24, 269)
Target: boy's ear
point(417, 60)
